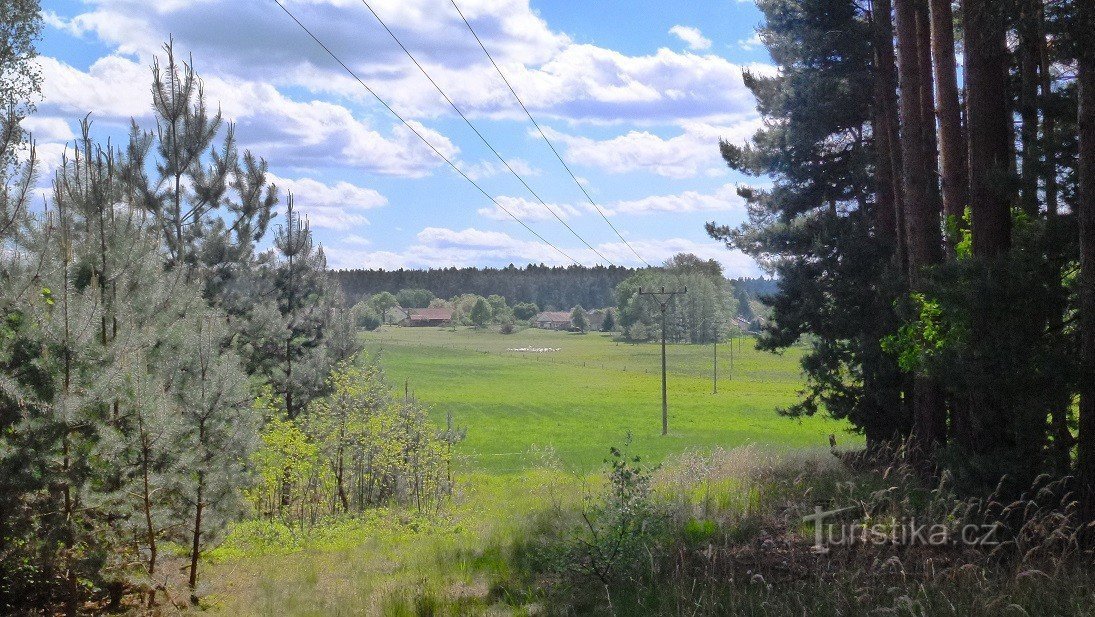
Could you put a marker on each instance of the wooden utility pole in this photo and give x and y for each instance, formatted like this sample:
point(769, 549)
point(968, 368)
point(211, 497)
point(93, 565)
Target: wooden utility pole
point(715, 369)
point(733, 336)
point(663, 298)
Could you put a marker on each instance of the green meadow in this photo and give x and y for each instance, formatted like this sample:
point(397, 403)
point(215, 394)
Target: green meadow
point(578, 401)
point(539, 427)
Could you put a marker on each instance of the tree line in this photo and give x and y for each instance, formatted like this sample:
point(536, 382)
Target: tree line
point(153, 360)
point(934, 240)
point(703, 315)
point(548, 287)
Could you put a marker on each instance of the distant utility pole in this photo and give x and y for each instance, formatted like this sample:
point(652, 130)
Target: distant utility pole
point(715, 368)
point(663, 298)
point(734, 337)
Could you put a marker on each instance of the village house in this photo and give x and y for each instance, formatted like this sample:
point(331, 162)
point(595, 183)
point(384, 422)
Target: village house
point(397, 316)
point(552, 320)
point(429, 317)
point(596, 318)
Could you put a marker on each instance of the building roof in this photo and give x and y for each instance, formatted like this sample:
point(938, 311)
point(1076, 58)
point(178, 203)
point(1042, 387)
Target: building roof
point(430, 314)
point(553, 316)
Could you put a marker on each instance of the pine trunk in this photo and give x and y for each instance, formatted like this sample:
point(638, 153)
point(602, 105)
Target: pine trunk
point(1086, 212)
point(1028, 105)
point(920, 204)
point(888, 217)
point(952, 148)
point(989, 126)
point(1048, 120)
point(927, 102)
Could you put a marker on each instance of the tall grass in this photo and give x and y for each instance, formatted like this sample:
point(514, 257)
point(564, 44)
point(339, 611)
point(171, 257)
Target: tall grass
point(717, 533)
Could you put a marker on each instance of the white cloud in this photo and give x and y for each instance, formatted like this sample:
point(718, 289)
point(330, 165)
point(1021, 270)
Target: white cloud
point(46, 129)
point(331, 206)
point(355, 240)
point(724, 199)
point(489, 169)
point(285, 131)
point(692, 36)
point(554, 74)
point(113, 88)
point(528, 210)
point(751, 43)
point(693, 152)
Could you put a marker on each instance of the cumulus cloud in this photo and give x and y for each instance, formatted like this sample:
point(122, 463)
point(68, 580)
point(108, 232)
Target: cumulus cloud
point(489, 169)
point(528, 210)
point(331, 206)
point(692, 36)
point(288, 132)
point(724, 199)
point(751, 43)
point(554, 74)
point(693, 152)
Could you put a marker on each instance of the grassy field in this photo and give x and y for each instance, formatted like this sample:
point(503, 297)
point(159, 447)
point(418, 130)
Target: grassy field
point(586, 396)
point(539, 426)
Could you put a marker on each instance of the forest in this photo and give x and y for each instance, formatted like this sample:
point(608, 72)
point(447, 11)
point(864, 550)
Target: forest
point(934, 237)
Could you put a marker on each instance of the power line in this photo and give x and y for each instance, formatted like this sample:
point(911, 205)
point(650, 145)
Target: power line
point(419, 135)
point(544, 135)
point(479, 134)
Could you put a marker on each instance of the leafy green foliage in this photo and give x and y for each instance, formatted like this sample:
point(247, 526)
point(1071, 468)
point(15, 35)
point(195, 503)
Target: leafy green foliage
point(700, 316)
point(525, 311)
point(480, 313)
point(357, 448)
point(578, 320)
point(414, 298)
point(918, 341)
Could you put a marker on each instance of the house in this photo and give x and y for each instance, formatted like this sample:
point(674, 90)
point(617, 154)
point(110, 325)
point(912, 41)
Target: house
point(429, 317)
point(741, 323)
point(552, 320)
point(596, 318)
point(397, 315)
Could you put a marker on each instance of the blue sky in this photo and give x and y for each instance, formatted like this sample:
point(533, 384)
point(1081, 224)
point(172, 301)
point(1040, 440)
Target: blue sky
point(635, 95)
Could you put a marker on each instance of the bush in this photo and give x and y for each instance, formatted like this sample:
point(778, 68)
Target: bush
point(525, 311)
point(367, 319)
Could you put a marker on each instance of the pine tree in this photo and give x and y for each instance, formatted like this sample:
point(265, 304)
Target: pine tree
point(830, 225)
point(609, 324)
point(217, 433)
point(293, 358)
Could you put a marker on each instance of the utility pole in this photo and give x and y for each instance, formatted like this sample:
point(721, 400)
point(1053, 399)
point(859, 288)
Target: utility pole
point(715, 368)
point(663, 298)
point(733, 336)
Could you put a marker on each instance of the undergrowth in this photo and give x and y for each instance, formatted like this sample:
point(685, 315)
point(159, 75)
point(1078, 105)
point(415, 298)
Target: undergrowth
point(706, 533)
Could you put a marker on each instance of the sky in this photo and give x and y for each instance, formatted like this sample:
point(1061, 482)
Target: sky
point(634, 94)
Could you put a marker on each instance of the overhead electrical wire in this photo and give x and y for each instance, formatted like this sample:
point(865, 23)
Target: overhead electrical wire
point(419, 135)
point(479, 134)
point(542, 134)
